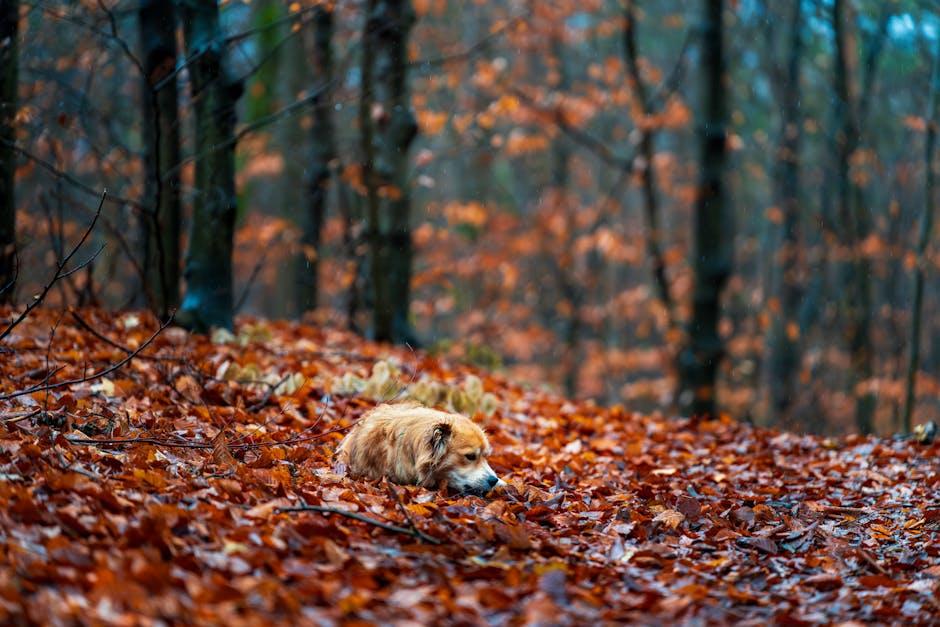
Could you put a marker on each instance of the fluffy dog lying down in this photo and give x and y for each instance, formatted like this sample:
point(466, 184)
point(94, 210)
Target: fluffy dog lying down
point(411, 444)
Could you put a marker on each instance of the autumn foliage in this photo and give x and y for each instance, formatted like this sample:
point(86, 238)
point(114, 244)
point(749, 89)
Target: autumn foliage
point(159, 492)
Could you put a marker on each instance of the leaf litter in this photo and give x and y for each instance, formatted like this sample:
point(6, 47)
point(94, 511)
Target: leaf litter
point(197, 485)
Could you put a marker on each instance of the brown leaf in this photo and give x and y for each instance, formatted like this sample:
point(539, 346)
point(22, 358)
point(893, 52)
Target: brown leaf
point(669, 518)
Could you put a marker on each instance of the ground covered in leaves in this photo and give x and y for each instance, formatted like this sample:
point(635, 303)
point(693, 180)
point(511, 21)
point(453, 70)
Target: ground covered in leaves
point(158, 491)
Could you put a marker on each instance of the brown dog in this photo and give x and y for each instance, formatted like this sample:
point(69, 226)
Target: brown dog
point(411, 444)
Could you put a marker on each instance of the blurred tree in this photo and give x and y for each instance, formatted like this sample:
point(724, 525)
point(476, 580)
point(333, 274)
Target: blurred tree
point(161, 219)
point(646, 153)
point(926, 229)
point(9, 62)
point(322, 154)
point(562, 200)
point(208, 301)
point(850, 107)
point(785, 288)
point(390, 128)
point(713, 237)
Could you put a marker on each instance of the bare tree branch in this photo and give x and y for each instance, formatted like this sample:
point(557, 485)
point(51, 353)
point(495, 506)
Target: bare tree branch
point(59, 273)
point(414, 533)
point(92, 377)
point(71, 180)
point(469, 52)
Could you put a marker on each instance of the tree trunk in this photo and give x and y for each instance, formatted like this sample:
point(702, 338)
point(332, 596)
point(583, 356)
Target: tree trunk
point(323, 152)
point(854, 219)
point(784, 341)
point(926, 229)
point(392, 128)
point(648, 176)
point(9, 60)
point(208, 301)
point(161, 222)
point(367, 147)
point(713, 242)
point(568, 284)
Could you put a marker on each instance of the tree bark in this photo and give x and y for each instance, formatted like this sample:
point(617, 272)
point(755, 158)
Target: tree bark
point(323, 152)
point(161, 221)
point(9, 61)
point(926, 229)
point(388, 25)
point(784, 341)
point(208, 301)
point(648, 176)
point(571, 291)
point(713, 242)
point(854, 218)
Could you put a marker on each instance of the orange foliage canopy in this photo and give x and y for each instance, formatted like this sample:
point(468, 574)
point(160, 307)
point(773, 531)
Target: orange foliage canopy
point(608, 516)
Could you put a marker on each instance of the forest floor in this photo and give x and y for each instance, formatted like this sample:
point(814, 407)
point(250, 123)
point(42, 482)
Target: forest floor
point(159, 491)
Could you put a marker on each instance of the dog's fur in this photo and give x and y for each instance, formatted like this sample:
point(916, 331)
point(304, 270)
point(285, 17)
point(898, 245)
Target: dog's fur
point(411, 444)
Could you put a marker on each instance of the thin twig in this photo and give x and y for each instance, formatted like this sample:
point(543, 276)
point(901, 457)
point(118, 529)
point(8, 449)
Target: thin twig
point(851, 511)
point(873, 562)
point(404, 512)
point(55, 327)
point(202, 445)
point(68, 178)
point(92, 377)
point(14, 418)
point(414, 533)
point(104, 338)
point(101, 336)
point(58, 273)
point(145, 440)
point(16, 273)
point(469, 52)
point(254, 276)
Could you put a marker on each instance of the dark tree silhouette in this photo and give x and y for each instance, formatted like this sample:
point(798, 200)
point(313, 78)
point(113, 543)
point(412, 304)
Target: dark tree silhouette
point(646, 152)
point(161, 219)
point(785, 333)
point(923, 239)
point(208, 301)
point(319, 167)
point(389, 128)
point(9, 60)
point(849, 113)
point(713, 239)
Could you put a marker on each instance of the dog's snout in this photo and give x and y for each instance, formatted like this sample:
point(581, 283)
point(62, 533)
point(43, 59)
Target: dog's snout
point(491, 481)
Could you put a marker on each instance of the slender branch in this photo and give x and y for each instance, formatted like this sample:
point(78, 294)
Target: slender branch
point(556, 115)
point(232, 39)
point(145, 440)
point(16, 273)
point(260, 123)
point(414, 533)
point(255, 271)
point(68, 178)
point(115, 35)
point(58, 273)
point(92, 377)
point(83, 264)
point(8, 419)
point(104, 338)
point(205, 445)
point(469, 52)
point(404, 512)
point(101, 336)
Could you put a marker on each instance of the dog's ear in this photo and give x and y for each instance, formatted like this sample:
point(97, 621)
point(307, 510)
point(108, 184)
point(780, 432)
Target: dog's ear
point(440, 436)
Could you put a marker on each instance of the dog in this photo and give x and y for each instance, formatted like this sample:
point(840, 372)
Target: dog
point(411, 444)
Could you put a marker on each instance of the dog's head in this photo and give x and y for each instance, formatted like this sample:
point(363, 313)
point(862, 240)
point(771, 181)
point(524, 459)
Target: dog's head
point(458, 449)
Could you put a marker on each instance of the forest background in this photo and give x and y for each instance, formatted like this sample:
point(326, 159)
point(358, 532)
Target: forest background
point(516, 184)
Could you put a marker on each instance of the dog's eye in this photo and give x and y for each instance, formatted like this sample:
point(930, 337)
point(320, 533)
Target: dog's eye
point(471, 457)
